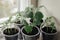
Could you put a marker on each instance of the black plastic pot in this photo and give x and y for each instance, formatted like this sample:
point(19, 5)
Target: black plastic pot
point(20, 26)
point(48, 35)
point(31, 36)
point(12, 34)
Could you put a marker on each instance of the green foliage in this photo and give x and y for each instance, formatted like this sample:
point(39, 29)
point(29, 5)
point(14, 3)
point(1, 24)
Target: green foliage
point(9, 21)
point(28, 28)
point(30, 15)
point(34, 14)
point(38, 17)
point(29, 12)
point(17, 16)
point(49, 22)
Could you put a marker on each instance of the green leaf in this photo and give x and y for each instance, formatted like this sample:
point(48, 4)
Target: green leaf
point(29, 12)
point(28, 29)
point(38, 17)
point(30, 15)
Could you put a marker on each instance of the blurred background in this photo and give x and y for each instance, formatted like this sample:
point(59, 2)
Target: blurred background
point(6, 7)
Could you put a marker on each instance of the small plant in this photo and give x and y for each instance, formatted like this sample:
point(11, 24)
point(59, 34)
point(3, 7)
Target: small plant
point(17, 17)
point(10, 31)
point(7, 23)
point(49, 31)
point(50, 23)
point(34, 14)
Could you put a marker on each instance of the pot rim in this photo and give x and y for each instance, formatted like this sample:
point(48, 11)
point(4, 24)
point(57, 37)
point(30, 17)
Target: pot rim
point(48, 33)
point(30, 35)
point(14, 34)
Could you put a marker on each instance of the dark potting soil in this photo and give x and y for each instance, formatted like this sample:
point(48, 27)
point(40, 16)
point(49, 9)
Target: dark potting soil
point(34, 31)
point(10, 31)
point(49, 30)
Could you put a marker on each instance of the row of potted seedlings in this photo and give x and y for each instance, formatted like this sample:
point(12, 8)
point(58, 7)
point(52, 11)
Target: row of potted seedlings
point(32, 30)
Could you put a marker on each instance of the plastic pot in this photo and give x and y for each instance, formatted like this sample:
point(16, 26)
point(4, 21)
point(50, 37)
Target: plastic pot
point(48, 35)
point(20, 26)
point(13, 36)
point(33, 36)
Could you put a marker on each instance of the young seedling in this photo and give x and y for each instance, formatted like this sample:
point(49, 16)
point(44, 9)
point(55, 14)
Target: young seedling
point(34, 14)
point(9, 21)
point(49, 22)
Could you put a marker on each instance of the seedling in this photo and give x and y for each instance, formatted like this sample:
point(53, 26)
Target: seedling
point(9, 21)
point(49, 23)
point(34, 14)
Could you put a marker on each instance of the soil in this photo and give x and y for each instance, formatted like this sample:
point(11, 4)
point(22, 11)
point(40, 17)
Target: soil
point(49, 30)
point(10, 31)
point(34, 31)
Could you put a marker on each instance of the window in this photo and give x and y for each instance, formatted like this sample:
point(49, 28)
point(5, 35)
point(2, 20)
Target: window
point(24, 4)
point(8, 7)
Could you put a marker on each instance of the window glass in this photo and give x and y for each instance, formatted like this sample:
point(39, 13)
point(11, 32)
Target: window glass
point(6, 7)
point(9, 7)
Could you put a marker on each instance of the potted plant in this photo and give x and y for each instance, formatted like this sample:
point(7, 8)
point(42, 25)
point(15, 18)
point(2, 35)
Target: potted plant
point(29, 14)
point(30, 31)
point(17, 20)
point(10, 32)
point(49, 30)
